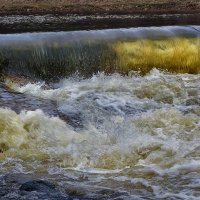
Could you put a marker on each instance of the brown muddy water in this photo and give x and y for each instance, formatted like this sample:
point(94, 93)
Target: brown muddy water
point(103, 114)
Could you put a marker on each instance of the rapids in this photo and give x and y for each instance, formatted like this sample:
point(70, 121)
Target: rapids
point(140, 135)
point(140, 126)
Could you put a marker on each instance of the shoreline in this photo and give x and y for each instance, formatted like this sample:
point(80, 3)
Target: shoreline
point(62, 12)
point(109, 7)
point(18, 16)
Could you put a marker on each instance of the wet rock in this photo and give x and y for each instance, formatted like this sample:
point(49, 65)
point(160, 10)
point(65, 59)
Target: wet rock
point(18, 178)
point(23, 186)
point(193, 101)
point(72, 116)
point(18, 102)
point(38, 185)
point(43, 190)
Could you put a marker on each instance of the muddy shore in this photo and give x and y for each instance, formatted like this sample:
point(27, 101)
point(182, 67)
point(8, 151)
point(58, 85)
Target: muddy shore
point(83, 7)
point(68, 15)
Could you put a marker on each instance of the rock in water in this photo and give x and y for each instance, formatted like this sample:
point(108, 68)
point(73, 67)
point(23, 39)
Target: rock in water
point(43, 190)
point(38, 185)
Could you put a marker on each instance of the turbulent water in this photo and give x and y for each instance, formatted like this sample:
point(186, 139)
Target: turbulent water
point(134, 137)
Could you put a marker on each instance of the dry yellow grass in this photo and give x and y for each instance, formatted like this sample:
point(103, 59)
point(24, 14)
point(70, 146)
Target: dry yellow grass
point(180, 55)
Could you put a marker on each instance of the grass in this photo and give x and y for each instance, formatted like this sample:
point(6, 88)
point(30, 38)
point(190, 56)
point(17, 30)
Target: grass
point(181, 55)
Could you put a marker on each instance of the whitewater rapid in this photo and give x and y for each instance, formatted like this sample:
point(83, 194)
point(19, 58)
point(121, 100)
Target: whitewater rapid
point(139, 136)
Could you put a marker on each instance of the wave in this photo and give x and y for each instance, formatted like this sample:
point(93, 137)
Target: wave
point(127, 121)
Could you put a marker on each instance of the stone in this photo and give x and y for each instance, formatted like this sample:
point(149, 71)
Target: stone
point(38, 185)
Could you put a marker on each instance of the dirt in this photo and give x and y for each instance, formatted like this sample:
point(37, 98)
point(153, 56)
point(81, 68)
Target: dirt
point(83, 7)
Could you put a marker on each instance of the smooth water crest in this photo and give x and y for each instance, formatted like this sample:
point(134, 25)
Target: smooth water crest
point(111, 114)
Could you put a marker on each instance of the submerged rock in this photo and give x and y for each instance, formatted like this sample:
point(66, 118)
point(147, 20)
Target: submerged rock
point(38, 185)
point(23, 186)
point(193, 102)
point(43, 190)
point(18, 101)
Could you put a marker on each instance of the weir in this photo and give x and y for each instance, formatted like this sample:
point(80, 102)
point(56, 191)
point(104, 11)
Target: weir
point(56, 55)
point(104, 135)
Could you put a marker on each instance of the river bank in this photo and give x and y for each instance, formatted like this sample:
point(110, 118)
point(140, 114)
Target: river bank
point(83, 7)
point(35, 16)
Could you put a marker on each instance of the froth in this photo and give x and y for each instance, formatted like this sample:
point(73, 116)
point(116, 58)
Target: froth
point(128, 121)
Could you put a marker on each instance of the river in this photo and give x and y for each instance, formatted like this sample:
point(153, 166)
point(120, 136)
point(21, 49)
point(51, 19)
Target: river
point(103, 114)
